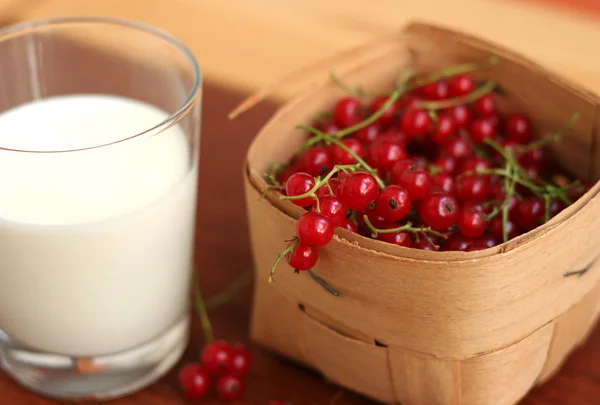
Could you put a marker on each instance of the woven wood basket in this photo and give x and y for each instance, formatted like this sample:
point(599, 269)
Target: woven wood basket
point(433, 328)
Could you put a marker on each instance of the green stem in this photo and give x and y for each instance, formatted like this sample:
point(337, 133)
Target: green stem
point(452, 102)
point(557, 136)
point(342, 85)
point(406, 227)
point(319, 183)
point(281, 255)
point(492, 215)
point(231, 291)
point(455, 70)
point(202, 313)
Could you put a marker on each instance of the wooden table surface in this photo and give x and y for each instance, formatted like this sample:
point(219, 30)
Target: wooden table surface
point(570, 42)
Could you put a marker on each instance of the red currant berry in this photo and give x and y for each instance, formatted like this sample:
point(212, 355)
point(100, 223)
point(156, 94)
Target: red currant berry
point(388, 117)
point(485, 106)
point(457, 148)
point(439, 211)
point(457, 242)
point(472, 187)
point(535, 157)
point(518, 129)
point(328, 126)
point(315, 161)
point(298, 184)
point(446, 127)
point(415, 181)
point(556, 206)
point(393, 203)
point(303, 257)
point(194, 380)
point(349, 225)
point(482, 129)
point(285, 174)
point(230, 387)
point(435, 91)
point(471, 223)
point(358, 190)
point(324, 191)
point(407, 101)
point(578, 191)
point(394, 137)
point(495, 227)
point(341, 157)
point(473, 163)
point(368, 134)
point(460, 85)
point(446, 163)
point(314, 229)
point(530, 213)
point(416, 122)
point(425, 244)
point(241, 360)
point(487, 240)
point(333, 209)
point(461, 115)
point(383, 154)
point(444, 181)
point(347, 112)
point(402, 238)
point(217, 357)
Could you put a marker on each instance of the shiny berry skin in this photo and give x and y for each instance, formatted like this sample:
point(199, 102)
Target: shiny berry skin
point(230, 387)
point(495, 227)
point(446, 163)
point(194, 380)
point(410, 100)
point(327, 126)
point(217, 357)
point(446, 127)
point(425, 244)
point(472, 187)
point(358, 190)
point(443, 181)
point(303, 257)
point(416, 181)
point(556, 206)
point(341, 157)
point(456, 148)
point(460, 85)
point(323, 191)
point(383, 154)
point(389, 115)
point(349, 225)
point(485, 106)
point(518, 129)
point(416, 122)
point(242, 358)
point(285, 174)
point(461, 115)
point(472, 164)
point(315, 161)
point(314, 229)
point(298, 184)
point(368, 134)
point(393, 203)
point(333, 209)
point(394, 137)
point(535, 157)
point(482, 129)
point(487, 240)
point(471, 223)
point(402, 238)
point(530, 213)
point(347, 112)
point(457, 242)
point(439, 211)
point(435, 91)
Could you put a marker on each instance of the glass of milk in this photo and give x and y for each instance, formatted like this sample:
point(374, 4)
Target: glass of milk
point(99, 141)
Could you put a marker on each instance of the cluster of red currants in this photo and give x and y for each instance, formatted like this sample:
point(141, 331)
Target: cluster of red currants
point(224, 366)
point(433, 167)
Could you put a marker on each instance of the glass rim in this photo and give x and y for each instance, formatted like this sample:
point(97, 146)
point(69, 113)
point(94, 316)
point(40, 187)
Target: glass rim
point(21, 29)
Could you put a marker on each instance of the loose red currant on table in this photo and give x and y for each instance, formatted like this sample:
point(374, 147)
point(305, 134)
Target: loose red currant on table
point(460, 85)
point(461, 115)
point(217, 357)
point(482, 129)
point(485, 106)
point(389, 115)
point(471, 223)
point(341, 157)
point(358, 190)
point(347, 112)
point(439, 211)
point(241, 360)
point(315, 161)
point(518, 129)
point(298, 184)
point(393, 203)
point(194, 380)
point(314, 229)
point(230, 387)
point(383, 154)
point(368, 134)
point(401, 238)
point(333, 209)
point(444, 182)
point(416, 122)
point(472, 187)
point(302, 257)
point(435, 91)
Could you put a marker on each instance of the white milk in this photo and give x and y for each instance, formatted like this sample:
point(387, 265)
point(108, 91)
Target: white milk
point(96, 245)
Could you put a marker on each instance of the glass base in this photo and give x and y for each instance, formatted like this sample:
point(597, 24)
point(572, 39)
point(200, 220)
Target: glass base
point(97, 378)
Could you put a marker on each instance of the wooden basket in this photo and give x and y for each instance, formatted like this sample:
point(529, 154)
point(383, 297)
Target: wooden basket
point(433, 328)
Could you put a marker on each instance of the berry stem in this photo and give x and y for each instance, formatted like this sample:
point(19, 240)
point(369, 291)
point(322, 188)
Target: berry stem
point(454, 70)
point(319, 182)
point(486, 88)
point(372, 118)
point(491, 215)
point(202, 313)
point(230, 292)
point(406, 227)
point(335, 79)
point(323, 283)
point(555, 137)
point(280, 256)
